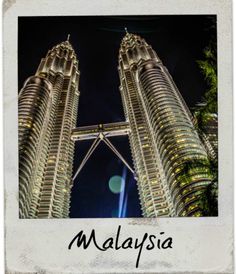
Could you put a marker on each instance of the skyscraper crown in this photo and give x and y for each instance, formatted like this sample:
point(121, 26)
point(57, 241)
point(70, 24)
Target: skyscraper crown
point(134, 50)
point(130, 40)
point(61, 58)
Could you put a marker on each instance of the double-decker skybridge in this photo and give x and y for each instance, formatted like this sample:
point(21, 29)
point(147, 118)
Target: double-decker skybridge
point(99, 133)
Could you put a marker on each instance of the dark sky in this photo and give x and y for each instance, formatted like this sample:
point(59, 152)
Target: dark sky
point(178, 40)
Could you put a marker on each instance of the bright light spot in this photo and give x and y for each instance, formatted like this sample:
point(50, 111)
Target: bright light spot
point(116, 184)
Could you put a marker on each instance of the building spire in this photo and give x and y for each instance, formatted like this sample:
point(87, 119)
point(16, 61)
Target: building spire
point(68, 37)
point(126, 31)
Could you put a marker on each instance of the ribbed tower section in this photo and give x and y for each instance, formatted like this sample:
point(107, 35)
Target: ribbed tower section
point(153, 191)
point(170, 160)
point(48, 104)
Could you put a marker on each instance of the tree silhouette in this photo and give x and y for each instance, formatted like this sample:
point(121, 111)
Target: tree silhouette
point(203, 114)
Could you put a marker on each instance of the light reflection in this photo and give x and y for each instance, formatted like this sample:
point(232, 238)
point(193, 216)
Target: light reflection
point(116, 184)
point(121, 200)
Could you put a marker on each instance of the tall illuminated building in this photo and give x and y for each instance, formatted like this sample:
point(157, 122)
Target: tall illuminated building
point(170, 161)
point(169, 158)
point(47, 112)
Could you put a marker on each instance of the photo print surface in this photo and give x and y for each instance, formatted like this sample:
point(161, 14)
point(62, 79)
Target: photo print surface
point(117, 116)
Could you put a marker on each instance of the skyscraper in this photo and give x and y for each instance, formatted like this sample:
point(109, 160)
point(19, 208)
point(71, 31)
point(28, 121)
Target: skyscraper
point(170, 161)
point(47, 110)
point(169, 158)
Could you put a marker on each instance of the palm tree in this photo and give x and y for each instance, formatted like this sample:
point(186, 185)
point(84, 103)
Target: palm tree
point(208, 67)
point(209, 199)
point(203, 112)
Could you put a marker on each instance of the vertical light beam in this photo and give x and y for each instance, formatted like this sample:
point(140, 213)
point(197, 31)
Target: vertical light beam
point(121, 200)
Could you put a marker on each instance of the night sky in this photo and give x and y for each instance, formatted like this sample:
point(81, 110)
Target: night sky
point(178, 40)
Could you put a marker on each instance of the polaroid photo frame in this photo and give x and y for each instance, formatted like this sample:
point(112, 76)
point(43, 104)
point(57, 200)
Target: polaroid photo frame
point(47, 72)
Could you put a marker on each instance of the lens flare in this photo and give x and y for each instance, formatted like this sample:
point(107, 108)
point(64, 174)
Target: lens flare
point(114, 213)
point(116, 184)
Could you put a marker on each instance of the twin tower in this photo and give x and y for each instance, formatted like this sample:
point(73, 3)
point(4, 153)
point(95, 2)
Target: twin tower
point(170, 162)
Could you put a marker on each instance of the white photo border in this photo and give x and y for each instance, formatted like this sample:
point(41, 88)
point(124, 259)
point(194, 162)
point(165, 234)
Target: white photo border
point(200, 245)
